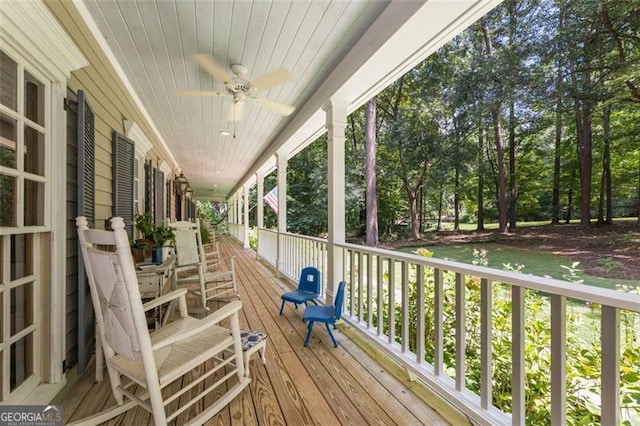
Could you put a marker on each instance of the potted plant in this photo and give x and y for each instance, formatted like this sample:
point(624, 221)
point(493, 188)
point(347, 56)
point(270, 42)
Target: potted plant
point(161, 236)
point(154, 237)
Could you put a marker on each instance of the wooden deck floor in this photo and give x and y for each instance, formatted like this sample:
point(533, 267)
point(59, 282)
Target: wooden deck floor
point(298, 386)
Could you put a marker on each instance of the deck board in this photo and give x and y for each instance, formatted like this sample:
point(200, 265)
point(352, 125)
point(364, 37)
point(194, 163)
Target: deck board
point(319, 384)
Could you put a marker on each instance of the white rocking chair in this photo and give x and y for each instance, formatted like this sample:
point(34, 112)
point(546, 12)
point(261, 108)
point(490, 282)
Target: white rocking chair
point(194, 361)
point(213, 280)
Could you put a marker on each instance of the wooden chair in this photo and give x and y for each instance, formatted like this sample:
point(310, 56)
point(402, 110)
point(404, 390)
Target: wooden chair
point(205, 282)
point(195, 362)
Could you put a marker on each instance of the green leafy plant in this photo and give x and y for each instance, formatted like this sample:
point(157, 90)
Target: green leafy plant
point(146, 225)
point(161, 235)
point(158, 235)
point(610, 266)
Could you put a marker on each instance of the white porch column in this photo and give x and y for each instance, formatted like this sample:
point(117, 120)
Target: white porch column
point(260, 206)
point(245, 203)
point(281, 159)
point(239, 207)
point(232, 209)
point(336, 122)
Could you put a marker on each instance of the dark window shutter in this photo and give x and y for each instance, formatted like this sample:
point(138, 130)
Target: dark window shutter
point(168, 216)
point(86, 178)
point(178, 206)
point(86, 159)
point(123, 158)
point(159, 196)
point(148, 188)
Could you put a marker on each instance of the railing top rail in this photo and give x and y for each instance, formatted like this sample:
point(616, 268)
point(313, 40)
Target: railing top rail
point(271, 231)
point(618, 299)
point(305, 237)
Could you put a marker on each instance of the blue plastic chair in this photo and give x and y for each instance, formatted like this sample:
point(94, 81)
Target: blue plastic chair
point(308, 288)
point(326, 314)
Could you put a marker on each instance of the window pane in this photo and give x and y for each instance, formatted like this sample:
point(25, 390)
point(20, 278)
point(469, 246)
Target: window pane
point(21, 361)
point(33, 203)
point(21, 308)
point(33, 151)
point(7, 200)
point(21, 258)
point(8, 141)
point(33, 99)
point(8, 82)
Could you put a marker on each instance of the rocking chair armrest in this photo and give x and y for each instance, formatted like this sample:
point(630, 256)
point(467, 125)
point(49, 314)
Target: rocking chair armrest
point(222, 313)
point(165, 299)
point(213, 318)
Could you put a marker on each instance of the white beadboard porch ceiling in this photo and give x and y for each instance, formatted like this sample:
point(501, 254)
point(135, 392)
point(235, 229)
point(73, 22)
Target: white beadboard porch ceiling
point(152, 40)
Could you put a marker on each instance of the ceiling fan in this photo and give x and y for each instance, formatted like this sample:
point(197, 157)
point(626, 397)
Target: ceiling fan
point(240, 88)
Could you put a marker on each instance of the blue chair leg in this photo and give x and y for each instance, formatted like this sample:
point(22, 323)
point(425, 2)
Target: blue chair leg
point(306, 339)
point(281, 307)
point(333, 339)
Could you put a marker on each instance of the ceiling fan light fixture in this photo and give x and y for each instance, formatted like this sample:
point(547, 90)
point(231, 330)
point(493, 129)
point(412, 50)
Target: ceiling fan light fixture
point(224, 132)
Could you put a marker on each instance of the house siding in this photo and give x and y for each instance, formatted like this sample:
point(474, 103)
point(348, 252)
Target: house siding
point(112, 104)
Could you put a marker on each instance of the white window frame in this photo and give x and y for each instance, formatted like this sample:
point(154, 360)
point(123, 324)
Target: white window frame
point(50, 56)
point(143, 146)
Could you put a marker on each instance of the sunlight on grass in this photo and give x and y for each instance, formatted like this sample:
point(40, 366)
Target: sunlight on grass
point(535, 262)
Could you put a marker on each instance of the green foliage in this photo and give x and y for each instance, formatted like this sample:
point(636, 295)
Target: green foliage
point(162, 235)
point(145, 224)
point(204, 235)
point(159, 235)
point(610, 266)
point(253, 238)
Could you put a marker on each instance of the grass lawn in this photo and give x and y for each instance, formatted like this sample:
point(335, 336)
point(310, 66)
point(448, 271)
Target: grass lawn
point(535, 262)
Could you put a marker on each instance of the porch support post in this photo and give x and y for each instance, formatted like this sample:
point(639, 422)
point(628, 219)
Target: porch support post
point(281, 158)
point(260, 209)
point(245, 203)
point(260, 206)
point(239, 207)
point(336, 121)
point(231, 205)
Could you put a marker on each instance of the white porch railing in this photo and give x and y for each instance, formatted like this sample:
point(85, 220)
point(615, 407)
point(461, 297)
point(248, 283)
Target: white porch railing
point(298, 251)
point(268, 246)
point(387, 282)
point(236, 231)
point(383, 288)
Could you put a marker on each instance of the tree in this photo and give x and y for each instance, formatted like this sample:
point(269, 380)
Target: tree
point(497, 134)
point(370, 173)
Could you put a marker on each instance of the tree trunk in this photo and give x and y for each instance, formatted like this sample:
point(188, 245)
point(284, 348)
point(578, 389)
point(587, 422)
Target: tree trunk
point(585, 159)
point(370, 173)
point(513, 215)
point(555, 202)
point(415, 222)
point(502, 187)
point(480, 226)
point(607, 163)
point(456, 201)
point(439, 226)
point(495, 115)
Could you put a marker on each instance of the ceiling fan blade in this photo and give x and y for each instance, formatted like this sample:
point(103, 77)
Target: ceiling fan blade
point(198, 93)
point(282, 109)
point(271, 79)
point(236, 111)
point(210, 65)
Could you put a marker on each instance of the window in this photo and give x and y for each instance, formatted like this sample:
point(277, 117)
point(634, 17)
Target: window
point(24, 187)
